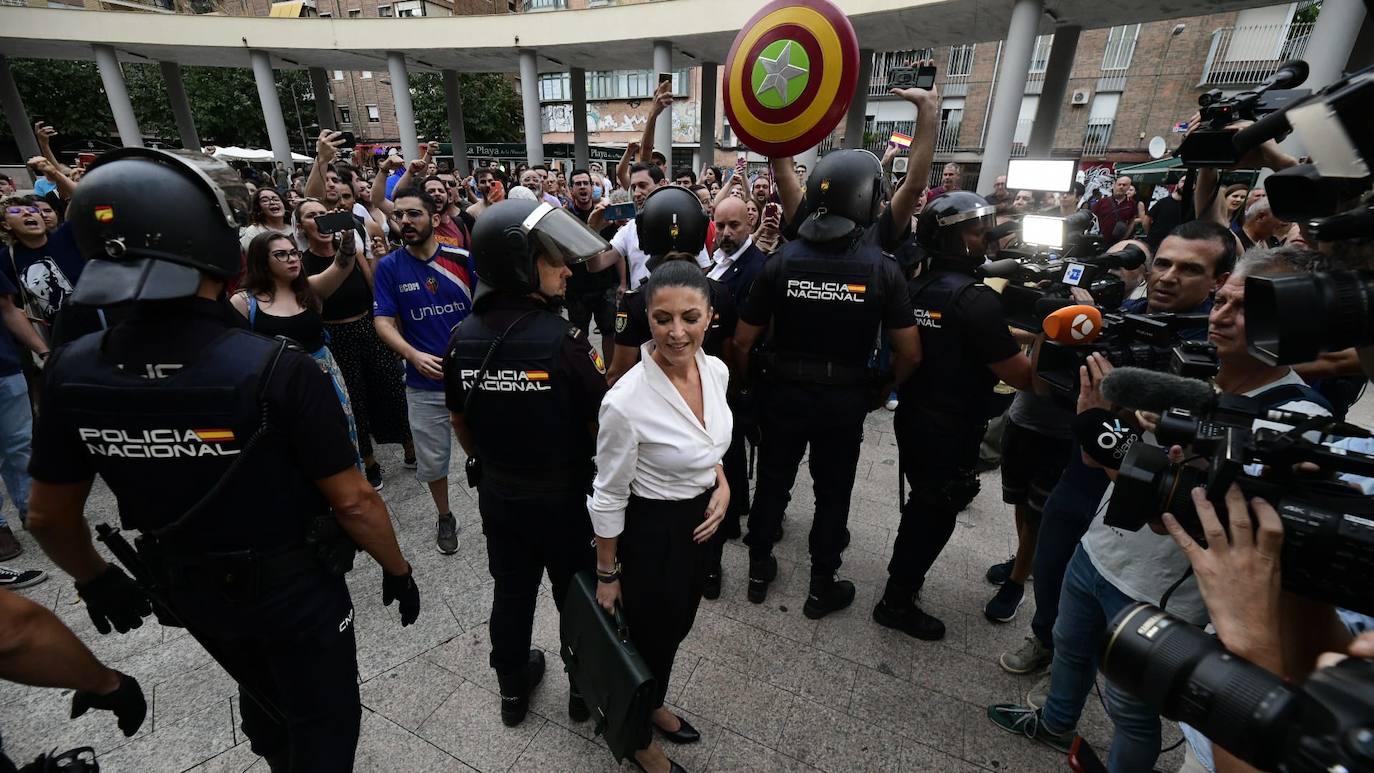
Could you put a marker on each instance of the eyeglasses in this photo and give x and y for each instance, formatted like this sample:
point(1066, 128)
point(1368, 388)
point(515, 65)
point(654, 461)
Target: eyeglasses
point(411, 214)
point(285, 255)
point(22, 211)
point(451, 183)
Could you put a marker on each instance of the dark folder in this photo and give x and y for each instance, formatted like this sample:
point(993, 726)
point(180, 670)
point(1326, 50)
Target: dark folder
point(611, 674)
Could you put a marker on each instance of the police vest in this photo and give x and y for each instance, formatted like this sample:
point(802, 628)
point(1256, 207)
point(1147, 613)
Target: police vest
point(948, 381)
point(524, 423)
point(829, 306)
point(162, 440)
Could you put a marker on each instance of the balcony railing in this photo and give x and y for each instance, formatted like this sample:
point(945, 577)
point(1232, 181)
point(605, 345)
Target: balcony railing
point(1021, 137)
point(1097, 136)
point(546, 5)
point(947, 139)
point(884, 61)
point(1249, 54)
point(878, 133)
point(960, 62)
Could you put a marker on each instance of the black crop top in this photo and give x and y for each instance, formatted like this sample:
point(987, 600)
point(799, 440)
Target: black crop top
point(351, 298)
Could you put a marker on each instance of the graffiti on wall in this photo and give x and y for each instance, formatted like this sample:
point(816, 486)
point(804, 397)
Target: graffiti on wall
point(1097, 177)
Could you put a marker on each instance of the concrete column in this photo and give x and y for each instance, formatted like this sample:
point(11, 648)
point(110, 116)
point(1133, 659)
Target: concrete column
point(663, 130)
point(13, 106)
point(453, 101)
point(710, 80)
point(1056, 84)
point(1333, 38)
point(577, 79)
point(858, 104)
point(1011, 86)
point(324, 106)
point(405, 112)
point(271, 107)
point(113, 79)
point(181, 107)
point(529, 98)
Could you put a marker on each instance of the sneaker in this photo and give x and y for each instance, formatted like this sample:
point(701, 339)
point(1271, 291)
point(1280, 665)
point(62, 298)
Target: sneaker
point(446, 534)
point(12, 579)
point(1009, 598)
point(1040, 692)
point(9, 544)
point(891, 403)
point(761, 573)
point(1028, 658)
point(374, 475)
point(1026, 721)
point(910, 620)
point(1000, 573)
point(408, 463)
point(827, 595)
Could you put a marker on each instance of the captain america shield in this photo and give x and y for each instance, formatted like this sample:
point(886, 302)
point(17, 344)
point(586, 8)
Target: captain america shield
point(790, 76)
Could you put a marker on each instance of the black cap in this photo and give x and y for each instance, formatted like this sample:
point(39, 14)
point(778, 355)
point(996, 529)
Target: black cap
point(843, 193)
point(152, 222)
point(672, 220)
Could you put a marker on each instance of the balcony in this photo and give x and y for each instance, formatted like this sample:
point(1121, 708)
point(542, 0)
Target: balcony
point(947, 139)
point(1021, 138)
point(1247, 55)
point(877, 134)
point(1096, 138)
point(884, 61)
point(546, 5)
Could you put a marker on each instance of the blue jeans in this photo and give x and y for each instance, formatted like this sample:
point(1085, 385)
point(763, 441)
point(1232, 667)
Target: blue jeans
point(16, 434)
point(1087, 603)
point(1068, 512)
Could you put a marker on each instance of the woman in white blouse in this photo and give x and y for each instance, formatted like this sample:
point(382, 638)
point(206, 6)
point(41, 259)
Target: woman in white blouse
point(660, 492)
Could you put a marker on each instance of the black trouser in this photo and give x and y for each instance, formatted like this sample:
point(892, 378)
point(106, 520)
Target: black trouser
point(661, 575)
point(1068, 513)
point(526, 536)
point(938, 457)
point(583, 307)
point(831, 420)
point(294, 646)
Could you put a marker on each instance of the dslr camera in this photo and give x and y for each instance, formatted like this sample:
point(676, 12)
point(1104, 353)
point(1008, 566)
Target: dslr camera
point(1152, 341)
point(1035, 285)
point(1212, 144)
point(1184, 674)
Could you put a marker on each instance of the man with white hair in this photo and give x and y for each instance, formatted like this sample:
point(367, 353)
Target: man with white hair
point(1260, 226)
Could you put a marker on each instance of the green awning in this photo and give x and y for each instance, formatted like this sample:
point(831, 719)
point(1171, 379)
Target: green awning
point(1167, 171)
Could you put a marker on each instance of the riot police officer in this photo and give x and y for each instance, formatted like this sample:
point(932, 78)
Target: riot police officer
point(523, 387)
point(940, 419)
point(827, 295)
point(227, 450)
point(672, 226)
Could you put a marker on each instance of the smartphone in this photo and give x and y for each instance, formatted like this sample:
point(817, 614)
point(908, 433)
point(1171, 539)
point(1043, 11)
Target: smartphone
point(665, 77)
point(348, 139)
point(85, 159)
point(618, 212)
point(335, 222)
point(496, 192)
point(774, 210)
point(925, 77)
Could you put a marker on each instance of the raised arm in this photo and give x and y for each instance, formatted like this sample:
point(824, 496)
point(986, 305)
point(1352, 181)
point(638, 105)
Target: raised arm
point(44, 134)
point(927, 103)
point(327, 281)
point(326, 150)
point(379, 199)
point(663, 99)
point(622, 168)
point(66, 186)
point(789, 187)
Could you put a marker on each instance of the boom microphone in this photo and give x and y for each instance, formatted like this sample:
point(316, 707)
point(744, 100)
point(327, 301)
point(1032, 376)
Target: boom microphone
point(1006, 268)
point(1130, 257)
point(1080, 324)
point(1149, 390)
point(1289, 75)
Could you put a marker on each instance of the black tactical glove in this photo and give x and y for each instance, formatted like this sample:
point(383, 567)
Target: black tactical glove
point(401, 587)
point(126, 702)
point(113, 599)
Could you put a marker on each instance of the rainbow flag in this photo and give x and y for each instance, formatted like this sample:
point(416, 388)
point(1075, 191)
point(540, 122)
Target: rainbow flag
point(900, 140)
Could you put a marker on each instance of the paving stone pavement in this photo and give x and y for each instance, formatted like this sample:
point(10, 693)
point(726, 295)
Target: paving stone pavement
point(769, 689)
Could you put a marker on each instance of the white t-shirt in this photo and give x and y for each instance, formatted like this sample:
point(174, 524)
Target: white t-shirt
point(626, 242)
point(1143, 564)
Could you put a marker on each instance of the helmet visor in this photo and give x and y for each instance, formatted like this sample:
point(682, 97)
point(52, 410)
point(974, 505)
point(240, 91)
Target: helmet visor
point(560, 235)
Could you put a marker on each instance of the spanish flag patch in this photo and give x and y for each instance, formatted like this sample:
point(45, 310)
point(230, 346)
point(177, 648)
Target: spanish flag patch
point(597, 362)
point(104, 213)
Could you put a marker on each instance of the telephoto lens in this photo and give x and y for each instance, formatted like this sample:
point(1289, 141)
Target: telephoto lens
point(1296, 317)
point(1185, 675)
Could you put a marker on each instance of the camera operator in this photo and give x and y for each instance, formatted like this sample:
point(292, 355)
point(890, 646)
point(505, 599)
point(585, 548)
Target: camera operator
point(1191, 263)
point(1112, 568)
point(967, 349)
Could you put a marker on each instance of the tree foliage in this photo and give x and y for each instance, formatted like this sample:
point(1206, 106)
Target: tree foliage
point(491, 107)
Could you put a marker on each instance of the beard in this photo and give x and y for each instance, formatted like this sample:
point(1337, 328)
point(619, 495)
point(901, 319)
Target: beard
point(411, 235)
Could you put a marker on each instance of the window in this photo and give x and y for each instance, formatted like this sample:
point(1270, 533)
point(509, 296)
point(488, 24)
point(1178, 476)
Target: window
point(727, 135)
point(325, 14)
point(373, 114)
point(951, 119)
point(384, 11)
point(1120, 47)
point(1040, 57)
point(1024, 120)
point(367, 75)
point(1100, 118)
point(410, 9)
point(354, 13)
point(345, 115)
point(555, 87)
point(338, 75)
point(609, 84)
point(960, 61)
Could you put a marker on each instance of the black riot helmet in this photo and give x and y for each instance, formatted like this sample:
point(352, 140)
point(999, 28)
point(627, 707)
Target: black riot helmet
point(151, 222)
point(945, 219)
point(511, 235)
point(672, 220)
point(843, 194)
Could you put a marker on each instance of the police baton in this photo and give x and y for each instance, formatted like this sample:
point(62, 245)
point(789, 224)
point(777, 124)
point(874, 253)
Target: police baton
point(126, 555)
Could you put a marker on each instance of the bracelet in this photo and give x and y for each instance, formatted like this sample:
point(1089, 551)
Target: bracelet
point(611, 576)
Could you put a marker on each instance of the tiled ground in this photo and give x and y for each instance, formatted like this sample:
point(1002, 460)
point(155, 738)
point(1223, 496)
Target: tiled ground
point(769, 689)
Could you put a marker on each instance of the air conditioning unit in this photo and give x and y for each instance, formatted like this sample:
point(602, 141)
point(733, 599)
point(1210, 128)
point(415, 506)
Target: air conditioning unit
point(1080, 97)
point(899, 164)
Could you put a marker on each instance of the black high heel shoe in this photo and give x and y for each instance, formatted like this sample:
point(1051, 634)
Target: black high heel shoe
point(684, 734)
point(673, 767)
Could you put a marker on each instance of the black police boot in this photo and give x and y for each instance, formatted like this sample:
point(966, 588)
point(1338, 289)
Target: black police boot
point(710, 587)
point(898, 610)
point(516, 689)
point(827, 595)
point(577, 708)
point(761, 573)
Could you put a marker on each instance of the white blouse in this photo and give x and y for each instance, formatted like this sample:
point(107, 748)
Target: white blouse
point(651, 445)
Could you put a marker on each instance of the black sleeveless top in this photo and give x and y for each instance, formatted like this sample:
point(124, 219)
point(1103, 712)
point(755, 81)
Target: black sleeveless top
point(305, 328)
point(351, 298)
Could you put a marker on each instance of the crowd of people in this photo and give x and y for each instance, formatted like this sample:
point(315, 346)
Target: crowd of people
point(428, 304)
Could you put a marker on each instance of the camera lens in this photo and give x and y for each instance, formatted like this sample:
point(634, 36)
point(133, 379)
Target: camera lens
point(1149, 485)
point(1186, 675)
point(1294, 318)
